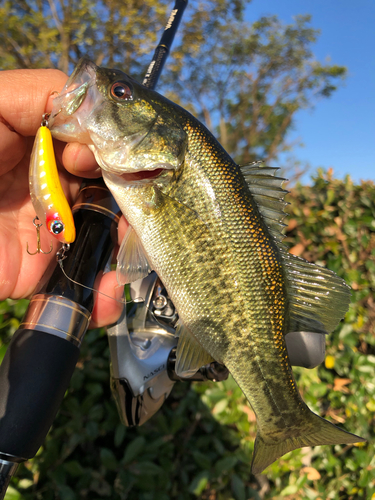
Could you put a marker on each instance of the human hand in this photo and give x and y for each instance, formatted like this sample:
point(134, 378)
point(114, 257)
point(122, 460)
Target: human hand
point(25, 96)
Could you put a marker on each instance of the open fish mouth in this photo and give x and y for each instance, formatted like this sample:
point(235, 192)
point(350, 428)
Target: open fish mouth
point(73, 106)
point(142, 175)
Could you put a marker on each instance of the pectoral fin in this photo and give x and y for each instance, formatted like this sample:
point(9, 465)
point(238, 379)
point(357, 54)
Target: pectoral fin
point(132, 263)
point(190, 355)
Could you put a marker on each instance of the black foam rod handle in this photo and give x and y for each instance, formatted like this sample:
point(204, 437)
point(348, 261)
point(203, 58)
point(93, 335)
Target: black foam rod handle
point(34, 376)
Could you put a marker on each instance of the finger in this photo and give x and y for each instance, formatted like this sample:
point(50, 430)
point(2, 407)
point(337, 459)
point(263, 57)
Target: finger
point(12, 148)
point(107, 310)
point(80, 161)
point(122, 228)
point(26, 96)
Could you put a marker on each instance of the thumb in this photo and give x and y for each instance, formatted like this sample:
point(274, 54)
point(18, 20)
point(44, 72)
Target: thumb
point(26, 96)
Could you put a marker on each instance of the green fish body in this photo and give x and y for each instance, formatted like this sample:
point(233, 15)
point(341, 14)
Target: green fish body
point(212, 232)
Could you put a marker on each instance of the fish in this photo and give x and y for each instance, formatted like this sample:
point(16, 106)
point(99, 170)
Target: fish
point(47, 195)
point(212, 231)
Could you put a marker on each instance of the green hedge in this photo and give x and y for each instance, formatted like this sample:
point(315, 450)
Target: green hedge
point(200, 444)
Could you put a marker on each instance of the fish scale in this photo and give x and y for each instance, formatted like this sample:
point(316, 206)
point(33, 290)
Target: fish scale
point(212, 232)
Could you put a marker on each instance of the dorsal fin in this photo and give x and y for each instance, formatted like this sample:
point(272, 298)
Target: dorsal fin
point(268, 194)
point(318, 299)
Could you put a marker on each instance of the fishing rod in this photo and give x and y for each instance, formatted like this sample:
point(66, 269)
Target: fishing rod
point(41, 357)
point(162, 50)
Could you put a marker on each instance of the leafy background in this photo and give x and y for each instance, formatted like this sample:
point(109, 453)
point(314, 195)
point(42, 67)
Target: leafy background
point(200, 444)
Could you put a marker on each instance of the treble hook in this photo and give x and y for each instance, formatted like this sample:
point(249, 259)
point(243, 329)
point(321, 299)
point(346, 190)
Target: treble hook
point(38, 244)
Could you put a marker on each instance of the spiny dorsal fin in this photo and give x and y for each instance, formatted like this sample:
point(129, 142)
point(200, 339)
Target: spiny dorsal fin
point(190, 355)
point(132, 263)
point(269, 196)
point(318, 298)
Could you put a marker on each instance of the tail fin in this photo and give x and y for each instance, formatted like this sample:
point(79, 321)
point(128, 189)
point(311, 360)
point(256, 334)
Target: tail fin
point(265, 453)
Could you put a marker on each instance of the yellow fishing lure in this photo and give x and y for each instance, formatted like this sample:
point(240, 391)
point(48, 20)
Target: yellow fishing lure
point(47, 195)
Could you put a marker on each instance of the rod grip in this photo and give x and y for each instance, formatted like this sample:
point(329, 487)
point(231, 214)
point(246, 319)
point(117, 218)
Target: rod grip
point(34, 376)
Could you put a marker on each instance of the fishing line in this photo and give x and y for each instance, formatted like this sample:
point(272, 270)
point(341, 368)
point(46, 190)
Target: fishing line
point(60, 256)
point(60, 259)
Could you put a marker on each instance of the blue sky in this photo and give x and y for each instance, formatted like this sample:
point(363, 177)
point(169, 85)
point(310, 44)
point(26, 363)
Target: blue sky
point(340, 131)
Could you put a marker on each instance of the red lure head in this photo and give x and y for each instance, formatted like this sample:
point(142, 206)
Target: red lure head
point(56, 227)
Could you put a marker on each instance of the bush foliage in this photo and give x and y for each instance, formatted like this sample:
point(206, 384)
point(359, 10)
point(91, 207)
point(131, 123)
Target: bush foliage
point(201, 443)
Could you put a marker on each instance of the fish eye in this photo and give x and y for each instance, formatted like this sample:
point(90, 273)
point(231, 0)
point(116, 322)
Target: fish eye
point(57, 227)
point(121, 91)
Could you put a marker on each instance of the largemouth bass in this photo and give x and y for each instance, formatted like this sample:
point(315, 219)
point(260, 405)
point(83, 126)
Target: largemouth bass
point(213, 233)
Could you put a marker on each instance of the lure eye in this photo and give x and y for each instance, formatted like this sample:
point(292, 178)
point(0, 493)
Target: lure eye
point(121, 91)
point(57, 227)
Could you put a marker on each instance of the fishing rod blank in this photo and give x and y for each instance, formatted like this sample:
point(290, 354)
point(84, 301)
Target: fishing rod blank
point(162, 50)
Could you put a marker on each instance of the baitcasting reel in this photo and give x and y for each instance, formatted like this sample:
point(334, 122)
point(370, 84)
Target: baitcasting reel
point(143, 347)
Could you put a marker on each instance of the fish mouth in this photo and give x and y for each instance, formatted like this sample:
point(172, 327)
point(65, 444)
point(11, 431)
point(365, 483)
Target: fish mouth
point(142, 175)
point(82, 73)
point(69, 99)
point(78, 99)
